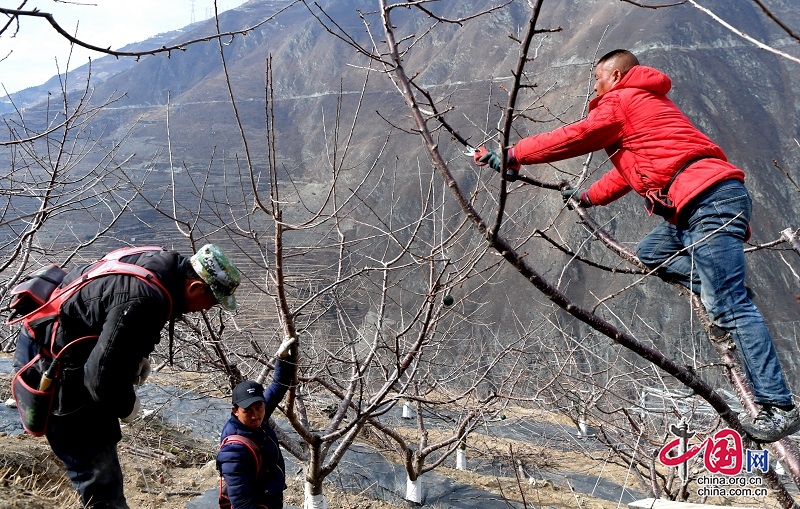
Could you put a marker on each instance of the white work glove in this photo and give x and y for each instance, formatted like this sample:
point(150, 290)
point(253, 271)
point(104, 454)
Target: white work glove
point(137, 405)
point(285, 348)
point(142, 372)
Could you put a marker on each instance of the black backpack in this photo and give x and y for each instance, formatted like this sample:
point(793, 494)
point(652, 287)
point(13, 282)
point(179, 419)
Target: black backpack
point(36, 303)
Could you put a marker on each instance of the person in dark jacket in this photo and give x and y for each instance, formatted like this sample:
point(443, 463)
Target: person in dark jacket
point(686, 178)
point(249, 458)
point(96, 383)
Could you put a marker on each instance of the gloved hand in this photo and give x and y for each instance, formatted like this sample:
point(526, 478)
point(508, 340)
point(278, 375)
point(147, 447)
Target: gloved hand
point(568, 193)
point(142, 372)
point(478, 155)
point(137, 406)
point(285, 348)
point(493, 158)
point(581, 196)
point(483, 157)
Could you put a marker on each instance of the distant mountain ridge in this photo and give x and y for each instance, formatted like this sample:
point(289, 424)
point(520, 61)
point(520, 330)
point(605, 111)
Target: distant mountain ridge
point(102, 68)
point(744, 97)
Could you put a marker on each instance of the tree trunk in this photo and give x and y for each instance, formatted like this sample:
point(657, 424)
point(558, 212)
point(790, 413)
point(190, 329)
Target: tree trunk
point(314, 498)
point(414, 490)
point(461, 459)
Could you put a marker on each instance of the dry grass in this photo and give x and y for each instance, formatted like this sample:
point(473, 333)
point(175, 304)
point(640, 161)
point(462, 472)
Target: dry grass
point(31, 477)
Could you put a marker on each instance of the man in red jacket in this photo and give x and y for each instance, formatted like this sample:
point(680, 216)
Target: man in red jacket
point(658, 153)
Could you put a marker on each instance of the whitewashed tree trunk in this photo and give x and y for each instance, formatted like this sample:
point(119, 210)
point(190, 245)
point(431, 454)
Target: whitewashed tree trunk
point(314, 501)
point(583, 428)
point(414, 490)
point(407, 410)
point(461, 459)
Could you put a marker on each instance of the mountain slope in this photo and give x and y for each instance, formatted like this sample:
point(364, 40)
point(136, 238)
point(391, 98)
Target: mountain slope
point(745, 98)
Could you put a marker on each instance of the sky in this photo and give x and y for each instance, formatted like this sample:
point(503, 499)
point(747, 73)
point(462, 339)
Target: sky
point(29, 58)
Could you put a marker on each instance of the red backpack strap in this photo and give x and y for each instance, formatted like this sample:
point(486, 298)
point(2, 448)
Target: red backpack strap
point(52, 307)
point(247, 443)
point(130, 251)
point(108, 265)
point(114, 266)
point(222, 498)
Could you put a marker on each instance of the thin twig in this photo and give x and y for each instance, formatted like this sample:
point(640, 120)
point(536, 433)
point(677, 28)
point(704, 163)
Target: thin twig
point(14, 13)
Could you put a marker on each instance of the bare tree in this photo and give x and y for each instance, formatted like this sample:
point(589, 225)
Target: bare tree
point(356, 273)
point(15, 18)
point(510, 236)
point(63, 189)
point(360, 278)
point(451, 399)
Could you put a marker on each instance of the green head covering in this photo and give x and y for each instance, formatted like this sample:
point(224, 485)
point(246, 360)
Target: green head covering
point(218, 273)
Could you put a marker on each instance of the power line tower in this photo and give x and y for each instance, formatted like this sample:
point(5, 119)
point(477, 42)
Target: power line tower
point(192, 18)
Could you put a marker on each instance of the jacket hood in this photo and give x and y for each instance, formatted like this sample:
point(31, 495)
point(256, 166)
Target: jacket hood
point(640, 77)
point(646, 78)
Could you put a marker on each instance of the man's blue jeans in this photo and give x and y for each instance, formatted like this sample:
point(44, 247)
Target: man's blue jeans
point(96, 475)
point(705, 254)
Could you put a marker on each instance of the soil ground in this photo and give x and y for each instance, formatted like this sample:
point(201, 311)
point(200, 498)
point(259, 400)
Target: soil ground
point(164, 467)
point(181, 468)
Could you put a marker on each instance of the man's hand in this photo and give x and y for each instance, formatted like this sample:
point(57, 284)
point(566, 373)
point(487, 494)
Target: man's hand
point(568, 193)
point(490, 157)
point(493, 158)
point(478, 155)
point(582, 197)
point(137, 406)
point(285, 348)
point(142, 372)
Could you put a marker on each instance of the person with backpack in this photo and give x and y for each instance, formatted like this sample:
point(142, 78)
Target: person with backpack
point(251, 466)
point(112, 325)
point(685, 178)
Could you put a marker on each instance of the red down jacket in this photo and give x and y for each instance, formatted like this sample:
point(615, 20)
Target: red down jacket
point(647, 138)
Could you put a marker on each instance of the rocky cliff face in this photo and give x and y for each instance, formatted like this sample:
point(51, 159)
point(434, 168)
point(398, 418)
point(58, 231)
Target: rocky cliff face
point(744, 97)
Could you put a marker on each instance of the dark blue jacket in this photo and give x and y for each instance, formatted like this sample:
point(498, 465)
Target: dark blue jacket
point(248, 489)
